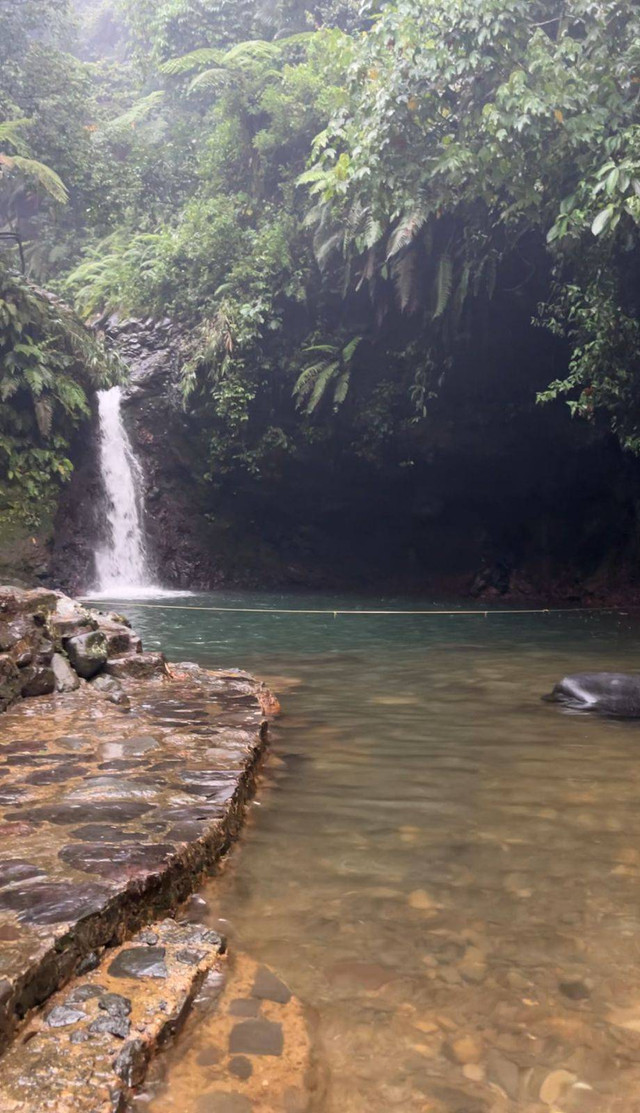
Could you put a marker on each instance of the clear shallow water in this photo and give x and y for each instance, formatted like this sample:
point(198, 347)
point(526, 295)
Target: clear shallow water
point(443, 868)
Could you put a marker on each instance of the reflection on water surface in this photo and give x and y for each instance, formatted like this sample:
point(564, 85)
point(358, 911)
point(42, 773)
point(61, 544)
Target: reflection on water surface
point(443, 869)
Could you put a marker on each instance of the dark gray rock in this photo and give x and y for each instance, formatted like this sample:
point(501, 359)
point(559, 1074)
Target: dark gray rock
point(85, 993)
point(115, 1004)
point(139, 962)
point(607, 693)
point(189, 956)
point(37, 680)
point(256, 1037)
point(269, 988)
point(90, 962)
point(131, 1064)
point(118, 1026)
point(244, 1006)
point(241, 1067)
point(51, 902)
point(87, 653)
point(66, 680)
point(63, 1015)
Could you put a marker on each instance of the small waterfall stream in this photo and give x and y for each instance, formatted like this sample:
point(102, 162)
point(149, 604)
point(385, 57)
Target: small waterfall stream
point(121, 562)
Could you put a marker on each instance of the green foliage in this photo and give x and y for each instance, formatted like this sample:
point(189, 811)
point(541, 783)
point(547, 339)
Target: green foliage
point(329, 197)
point(49, 365)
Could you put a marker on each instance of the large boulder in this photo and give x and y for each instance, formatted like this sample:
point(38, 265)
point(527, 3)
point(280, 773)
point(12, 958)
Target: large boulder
point(70, 619)
point(139, 666)
point(9, 681)
point(37, 679)
point(608, 693)
point(121, 640)
point(87, 653)
point(15, 600)
point(66, 680)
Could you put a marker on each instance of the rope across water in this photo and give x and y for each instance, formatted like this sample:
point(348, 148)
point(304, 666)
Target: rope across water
point(354, 612)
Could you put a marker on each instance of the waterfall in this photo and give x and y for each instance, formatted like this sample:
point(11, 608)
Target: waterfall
point(121, 563)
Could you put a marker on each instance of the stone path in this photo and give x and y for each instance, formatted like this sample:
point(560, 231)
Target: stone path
point(107, 817)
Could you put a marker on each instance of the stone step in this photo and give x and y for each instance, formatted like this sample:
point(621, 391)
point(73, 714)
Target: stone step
point(107, 820)
point(92, 1043)
point(254, 1052)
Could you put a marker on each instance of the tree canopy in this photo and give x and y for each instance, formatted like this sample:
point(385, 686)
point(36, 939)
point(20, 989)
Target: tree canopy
point(331, 196)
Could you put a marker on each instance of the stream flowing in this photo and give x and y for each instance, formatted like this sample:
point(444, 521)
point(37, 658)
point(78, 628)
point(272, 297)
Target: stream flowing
point(444, 869)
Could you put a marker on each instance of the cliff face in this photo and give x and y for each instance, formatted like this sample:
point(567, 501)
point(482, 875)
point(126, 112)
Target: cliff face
point(181, 551)
point(510, 500)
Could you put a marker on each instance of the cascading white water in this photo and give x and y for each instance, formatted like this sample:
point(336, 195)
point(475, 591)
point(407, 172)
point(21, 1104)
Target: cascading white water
point(121, 563)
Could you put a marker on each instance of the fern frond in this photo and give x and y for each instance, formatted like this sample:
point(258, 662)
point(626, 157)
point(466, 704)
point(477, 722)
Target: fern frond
point(44, 416)
point(254, 50)
point(373, 232)
point(325, 248)
point(406, 231)
point(404, 273)
point(10, 134)
point(443, 284)
point(356, 218)
point(307, 380)
point(137, 113)
point(44, 175)
point(208, 79)
point(321, 384)
point(178, 67)
point(341, 389)
point(462, 290)
point(350, 349)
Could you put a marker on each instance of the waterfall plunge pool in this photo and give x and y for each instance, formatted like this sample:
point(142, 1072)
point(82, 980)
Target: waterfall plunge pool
point(442, 867)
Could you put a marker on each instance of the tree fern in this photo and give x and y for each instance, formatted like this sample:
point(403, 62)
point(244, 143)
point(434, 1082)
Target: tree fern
point(213, 78)
point(10, 134)
point(333, 368)
point(195, 60)
point(322, 381)
point(138, 112)
point(46, 177)
point(254, 50)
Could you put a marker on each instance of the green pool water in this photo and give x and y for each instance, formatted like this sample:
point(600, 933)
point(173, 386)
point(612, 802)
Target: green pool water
point(443, 868)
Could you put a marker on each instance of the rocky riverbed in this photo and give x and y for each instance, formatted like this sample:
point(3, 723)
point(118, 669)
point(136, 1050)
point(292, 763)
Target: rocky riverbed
point(121, 780)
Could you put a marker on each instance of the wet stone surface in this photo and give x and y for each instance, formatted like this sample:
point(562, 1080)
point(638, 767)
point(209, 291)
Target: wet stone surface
point(226, 1064)
point(92, 1044)
point(256, 1037)
point(106, 818)
point(139, 962)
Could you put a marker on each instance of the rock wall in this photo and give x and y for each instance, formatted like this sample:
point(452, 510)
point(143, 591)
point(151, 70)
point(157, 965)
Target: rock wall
point(503, 499)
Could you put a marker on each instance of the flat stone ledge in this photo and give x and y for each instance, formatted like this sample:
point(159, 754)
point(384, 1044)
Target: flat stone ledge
point(108, 820)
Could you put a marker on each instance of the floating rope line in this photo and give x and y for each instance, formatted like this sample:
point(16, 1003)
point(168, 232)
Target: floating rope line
point(336, 613)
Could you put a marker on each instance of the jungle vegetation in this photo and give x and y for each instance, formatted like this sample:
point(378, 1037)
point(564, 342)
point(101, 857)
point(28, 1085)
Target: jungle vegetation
point(336, 200)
